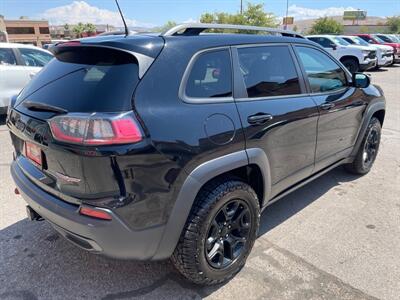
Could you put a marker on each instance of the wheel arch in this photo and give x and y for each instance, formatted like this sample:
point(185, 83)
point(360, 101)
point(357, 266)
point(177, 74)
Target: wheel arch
point(377, 110)
point(353, 57)
point(252, 161)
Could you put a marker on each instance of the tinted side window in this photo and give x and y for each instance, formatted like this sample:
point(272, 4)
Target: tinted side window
point(35, 58)
point(365, 38)
point(268, 71)
point(210, 76)
point(323, 73)
point(324, 42)
point(7, 57)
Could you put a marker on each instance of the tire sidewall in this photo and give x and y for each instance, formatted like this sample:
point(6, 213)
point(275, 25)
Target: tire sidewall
point(373, 124)
point(229, 271)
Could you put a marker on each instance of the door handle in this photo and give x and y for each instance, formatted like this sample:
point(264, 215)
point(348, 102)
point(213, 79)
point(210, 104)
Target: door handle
point(327, 106)
point(259, 118)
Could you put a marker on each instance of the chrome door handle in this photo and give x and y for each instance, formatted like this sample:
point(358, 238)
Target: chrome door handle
point(327, 106)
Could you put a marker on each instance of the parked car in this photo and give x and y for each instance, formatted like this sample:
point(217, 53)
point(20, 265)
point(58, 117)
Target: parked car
point(354, 58)
point(135, 150)
point(375, 39)
point(383, 53)
point(18, 64)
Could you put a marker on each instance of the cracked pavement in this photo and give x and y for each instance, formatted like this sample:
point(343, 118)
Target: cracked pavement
point(336, 238)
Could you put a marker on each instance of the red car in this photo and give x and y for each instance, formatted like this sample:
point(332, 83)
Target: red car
point(375, 39)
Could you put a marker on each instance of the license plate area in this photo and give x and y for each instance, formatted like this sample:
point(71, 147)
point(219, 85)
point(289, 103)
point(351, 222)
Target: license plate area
point(33, 152)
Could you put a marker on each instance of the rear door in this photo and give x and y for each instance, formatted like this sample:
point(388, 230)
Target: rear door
point(277, 114)
point(341, 105)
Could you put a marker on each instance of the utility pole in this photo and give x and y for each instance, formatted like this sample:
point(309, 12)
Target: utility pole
point(287, 11)
point(241, 6)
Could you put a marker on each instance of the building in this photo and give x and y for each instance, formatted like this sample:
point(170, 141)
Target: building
point(28, 31)
point(67, 32)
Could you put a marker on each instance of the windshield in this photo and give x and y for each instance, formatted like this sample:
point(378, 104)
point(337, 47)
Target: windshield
point(359, 41)
point(86, 79)
point(341, 41)
point(379, 40)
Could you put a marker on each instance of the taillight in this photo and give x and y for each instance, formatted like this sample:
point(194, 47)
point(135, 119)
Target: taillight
point(96, 129)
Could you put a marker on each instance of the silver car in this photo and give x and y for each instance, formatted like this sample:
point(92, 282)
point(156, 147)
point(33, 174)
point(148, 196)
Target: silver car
point(18, 64)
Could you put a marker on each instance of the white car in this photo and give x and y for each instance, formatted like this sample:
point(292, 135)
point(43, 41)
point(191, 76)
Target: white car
point(383, 53)
point(353, 58)
point(18, 64)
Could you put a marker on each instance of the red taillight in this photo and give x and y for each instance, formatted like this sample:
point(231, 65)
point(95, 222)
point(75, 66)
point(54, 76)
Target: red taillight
point(95, 213)
point(96, 129)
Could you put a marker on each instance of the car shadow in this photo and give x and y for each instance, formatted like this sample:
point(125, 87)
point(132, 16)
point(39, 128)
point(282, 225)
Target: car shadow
point(38, 263)
point(380, 70)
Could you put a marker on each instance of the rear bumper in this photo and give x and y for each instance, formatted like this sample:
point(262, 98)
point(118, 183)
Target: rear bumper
point(111, 238)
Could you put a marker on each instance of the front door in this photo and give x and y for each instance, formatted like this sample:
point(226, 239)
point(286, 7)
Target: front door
point(341, 105)
point(277, 116)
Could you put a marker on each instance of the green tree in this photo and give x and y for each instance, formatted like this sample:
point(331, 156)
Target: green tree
point(326, 26)
point(254, 15)
point(90, 28)
point(394, 24)
point(167, 26)
point(79, 29)
point(295, 28)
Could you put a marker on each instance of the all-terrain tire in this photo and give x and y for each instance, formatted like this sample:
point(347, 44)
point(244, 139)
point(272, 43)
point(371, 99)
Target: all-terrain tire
point(190, 257)
point(361, 165)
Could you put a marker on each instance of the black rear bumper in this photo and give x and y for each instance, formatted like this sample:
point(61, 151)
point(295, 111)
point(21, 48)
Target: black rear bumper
point(111, 238)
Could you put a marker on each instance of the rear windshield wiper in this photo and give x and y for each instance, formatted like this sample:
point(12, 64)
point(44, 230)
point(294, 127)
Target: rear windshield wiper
point(43, 107)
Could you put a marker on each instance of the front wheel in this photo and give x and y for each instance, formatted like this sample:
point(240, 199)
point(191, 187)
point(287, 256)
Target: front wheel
point(368, 150)
point(351, 65)
point(219, 233)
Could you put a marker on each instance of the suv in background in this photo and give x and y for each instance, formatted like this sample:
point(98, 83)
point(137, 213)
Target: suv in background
point(355, 59)
point(376, 39)
point(135, 150)
point(383, 53)
point(18, 64)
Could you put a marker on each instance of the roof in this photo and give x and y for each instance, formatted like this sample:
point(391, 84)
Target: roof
point(17, 45)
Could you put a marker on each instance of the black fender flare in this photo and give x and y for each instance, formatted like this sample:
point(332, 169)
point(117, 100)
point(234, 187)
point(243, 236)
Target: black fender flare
point(372, 108)
point(192, 185)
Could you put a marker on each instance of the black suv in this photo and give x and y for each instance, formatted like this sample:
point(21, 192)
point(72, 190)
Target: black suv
point(155, 146)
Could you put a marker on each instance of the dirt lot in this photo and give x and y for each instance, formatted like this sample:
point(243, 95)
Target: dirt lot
point(336, 238)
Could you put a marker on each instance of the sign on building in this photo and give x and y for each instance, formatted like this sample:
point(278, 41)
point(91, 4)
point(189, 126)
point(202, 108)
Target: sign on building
point(355, 15)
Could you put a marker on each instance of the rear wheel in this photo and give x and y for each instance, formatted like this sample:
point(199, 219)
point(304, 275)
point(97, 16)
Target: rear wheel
point(219, 234)
point(351, 65)
point(368, 150)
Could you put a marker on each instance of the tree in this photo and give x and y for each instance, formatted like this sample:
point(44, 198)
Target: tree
point(295, 28)
point(79, 29)
point(394, 24)
point(326, 26)
point(254, 15)
point(167, 26)
point(90, 28)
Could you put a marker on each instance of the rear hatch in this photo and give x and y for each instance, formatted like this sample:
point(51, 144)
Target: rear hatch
point(77, 114)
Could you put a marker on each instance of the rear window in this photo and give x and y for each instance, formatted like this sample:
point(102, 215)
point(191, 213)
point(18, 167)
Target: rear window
point(86, 79)
point(210, 76)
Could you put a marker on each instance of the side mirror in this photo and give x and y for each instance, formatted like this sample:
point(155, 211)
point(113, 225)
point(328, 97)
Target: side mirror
point(333, 46)
point(361, 80)
point(371, 41)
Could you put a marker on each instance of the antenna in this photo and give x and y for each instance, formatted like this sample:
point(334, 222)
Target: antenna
point(123, 20)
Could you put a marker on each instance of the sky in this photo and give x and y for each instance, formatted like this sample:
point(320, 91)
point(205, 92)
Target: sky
point(150, 13)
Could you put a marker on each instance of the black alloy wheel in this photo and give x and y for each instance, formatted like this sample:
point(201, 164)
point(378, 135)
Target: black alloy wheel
point(228, 234)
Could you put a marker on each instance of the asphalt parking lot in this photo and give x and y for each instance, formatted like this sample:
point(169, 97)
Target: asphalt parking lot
point(336, 238)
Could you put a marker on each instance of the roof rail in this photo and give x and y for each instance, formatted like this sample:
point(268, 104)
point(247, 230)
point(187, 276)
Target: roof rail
point(197, 28)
